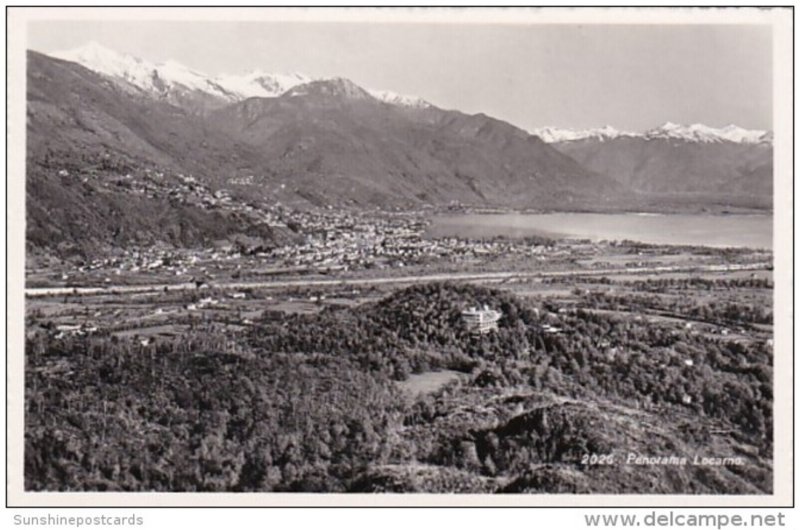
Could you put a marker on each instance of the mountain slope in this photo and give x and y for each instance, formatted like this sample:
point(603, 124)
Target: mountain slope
point(85, 135)
point(73, 110)
point(356, 149)
point(663, 165)
point(729, 165)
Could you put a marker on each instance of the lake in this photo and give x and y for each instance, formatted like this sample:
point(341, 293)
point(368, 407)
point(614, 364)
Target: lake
point(752, 231)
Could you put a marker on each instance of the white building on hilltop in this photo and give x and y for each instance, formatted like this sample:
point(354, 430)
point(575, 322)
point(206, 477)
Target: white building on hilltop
point(481, 320)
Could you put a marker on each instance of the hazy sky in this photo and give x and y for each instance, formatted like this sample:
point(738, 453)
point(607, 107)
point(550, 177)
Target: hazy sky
point(632, 77)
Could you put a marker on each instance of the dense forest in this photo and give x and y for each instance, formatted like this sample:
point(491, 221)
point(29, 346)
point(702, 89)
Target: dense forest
point(315, 402)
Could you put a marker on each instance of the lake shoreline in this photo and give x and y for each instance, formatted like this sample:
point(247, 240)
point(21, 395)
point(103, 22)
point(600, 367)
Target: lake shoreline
point(711, 230)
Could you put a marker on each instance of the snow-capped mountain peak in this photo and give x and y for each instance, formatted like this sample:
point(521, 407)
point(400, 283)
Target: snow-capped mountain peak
point(670, 126)
point(393, 98)
point(100, 59)
point(257, 83)
point(556, 134)
point(694, 132)
point(335, 86)
point(160, 79)
point(175, 72)
point(734, 133)
point(95, 53)
point(698, 132)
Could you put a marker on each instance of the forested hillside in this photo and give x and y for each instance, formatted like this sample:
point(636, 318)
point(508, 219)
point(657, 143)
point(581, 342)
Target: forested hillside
point(314, 403)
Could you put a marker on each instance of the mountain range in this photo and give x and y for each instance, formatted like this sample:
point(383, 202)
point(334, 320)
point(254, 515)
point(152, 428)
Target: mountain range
point(95, 116)
point(717, 165)
point(175, 83)
point(696, 132)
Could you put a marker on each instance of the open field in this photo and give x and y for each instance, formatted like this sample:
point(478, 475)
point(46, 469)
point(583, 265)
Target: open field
point(427, 383)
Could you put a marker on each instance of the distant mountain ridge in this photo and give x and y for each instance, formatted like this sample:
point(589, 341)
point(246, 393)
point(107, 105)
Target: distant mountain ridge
point(706, 171)
point(179, 84)
point(701, 164)
point(696, 132)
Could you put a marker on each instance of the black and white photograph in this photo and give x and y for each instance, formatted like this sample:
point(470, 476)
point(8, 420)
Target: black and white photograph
point(502, 254)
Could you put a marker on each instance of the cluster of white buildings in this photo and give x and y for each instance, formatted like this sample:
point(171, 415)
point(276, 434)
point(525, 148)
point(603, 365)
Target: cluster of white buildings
point(480, 320)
